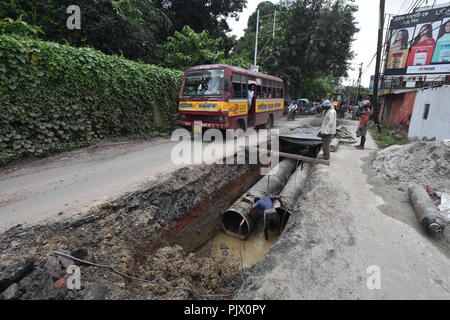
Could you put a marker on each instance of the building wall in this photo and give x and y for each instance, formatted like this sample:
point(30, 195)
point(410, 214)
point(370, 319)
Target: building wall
point(398, 111)
point(438, 123)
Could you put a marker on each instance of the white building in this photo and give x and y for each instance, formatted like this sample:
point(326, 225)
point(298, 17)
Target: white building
point(431, 114)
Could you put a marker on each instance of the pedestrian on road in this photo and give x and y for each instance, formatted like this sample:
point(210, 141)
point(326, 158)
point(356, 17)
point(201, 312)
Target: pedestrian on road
point(292, 110)
point(264, 206)
point(328, 128)
point(363, 124)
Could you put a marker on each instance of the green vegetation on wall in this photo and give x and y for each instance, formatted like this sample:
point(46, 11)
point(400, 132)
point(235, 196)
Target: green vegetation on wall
point(55, 97)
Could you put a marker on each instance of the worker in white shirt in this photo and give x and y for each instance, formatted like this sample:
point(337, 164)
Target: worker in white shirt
point(328, 128)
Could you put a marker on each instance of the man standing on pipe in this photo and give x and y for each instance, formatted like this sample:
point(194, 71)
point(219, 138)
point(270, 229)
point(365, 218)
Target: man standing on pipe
point(265, 207)
point(328, 128)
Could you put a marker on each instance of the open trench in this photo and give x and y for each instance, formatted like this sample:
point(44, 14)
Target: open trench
point(170, 231)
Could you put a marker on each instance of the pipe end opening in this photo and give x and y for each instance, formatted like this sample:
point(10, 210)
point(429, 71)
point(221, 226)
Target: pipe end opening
point(233, 226)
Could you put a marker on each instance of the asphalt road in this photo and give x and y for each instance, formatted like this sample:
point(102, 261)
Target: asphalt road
point(73, 182)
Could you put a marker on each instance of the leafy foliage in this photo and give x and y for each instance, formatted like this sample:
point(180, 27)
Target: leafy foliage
point(134, 28)
point(19, 29)
point(188, 48)
point(312, 42)
point(202, 15)
point(388, 137)
point(55, 97)
point(318, 88)
point(129, 27)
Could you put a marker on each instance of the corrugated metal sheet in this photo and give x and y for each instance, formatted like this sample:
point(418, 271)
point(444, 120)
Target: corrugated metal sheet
point(401, 110)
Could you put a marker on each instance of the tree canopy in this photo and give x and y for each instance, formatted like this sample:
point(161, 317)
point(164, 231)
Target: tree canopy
point(312, 41)
point(311, 47)
point(188, 48)
point(133, 28)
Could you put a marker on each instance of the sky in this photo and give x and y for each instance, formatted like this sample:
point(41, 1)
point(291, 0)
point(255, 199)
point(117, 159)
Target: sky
point(365, 42)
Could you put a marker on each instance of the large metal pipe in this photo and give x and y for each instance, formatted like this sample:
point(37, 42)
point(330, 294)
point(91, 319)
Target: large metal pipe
point(334, 145)
point(291, 192)
point(427, 213)
point(235, 221)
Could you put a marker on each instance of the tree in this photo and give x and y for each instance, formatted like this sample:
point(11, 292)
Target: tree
point(245, 46)
point(311, 46)
point(202, 15)
point(318, 88)
point(188, 48)
point(129, 27)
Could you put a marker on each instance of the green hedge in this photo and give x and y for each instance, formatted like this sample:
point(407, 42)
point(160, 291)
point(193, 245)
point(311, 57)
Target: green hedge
point(55, 97)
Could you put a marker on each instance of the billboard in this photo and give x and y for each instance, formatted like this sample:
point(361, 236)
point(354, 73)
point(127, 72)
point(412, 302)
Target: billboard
point(419, 43)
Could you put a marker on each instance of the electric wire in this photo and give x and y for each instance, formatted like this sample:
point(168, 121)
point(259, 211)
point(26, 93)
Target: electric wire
point(403, 5)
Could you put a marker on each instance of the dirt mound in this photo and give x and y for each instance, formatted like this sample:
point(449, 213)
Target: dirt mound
point(425, 162)
point(203, 274)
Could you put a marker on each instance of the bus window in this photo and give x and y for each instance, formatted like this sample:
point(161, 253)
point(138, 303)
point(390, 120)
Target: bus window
point(204, 83)
point(237, 88)
point(259, 91)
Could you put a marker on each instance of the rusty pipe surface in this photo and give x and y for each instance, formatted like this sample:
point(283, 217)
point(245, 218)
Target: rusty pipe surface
point(236, 221)
point(427, 213)
point(291, 192)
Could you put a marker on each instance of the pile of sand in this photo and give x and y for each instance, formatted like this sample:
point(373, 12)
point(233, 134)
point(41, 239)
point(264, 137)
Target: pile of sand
point(425, 162)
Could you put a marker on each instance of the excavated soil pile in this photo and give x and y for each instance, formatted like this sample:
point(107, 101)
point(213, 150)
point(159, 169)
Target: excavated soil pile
point(129, 234)
point(425, 162)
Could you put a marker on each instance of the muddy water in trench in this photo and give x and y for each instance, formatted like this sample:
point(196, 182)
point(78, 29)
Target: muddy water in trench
point(253, 249)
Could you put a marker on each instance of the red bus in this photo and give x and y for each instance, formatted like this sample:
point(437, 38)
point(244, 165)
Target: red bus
point(218, 95)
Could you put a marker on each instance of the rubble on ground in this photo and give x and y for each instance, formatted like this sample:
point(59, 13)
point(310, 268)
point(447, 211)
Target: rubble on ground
point(127, 235)
point(424, 162)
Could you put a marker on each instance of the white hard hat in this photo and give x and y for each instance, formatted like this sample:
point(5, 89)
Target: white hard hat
point(366, 102)
point(327, 103)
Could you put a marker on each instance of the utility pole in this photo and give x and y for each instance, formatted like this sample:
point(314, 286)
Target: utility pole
point(256, 40)
point(377, 65)
point(274, 22)
point(359, 82)
point(357, 85)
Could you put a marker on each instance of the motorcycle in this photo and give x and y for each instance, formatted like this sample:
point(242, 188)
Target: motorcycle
point(292, 112)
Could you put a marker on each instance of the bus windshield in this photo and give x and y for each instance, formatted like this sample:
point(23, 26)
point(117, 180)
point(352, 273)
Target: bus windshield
point(204, 83)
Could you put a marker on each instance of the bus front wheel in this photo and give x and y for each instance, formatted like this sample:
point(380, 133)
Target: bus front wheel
point(269, 123)
point(240, 124)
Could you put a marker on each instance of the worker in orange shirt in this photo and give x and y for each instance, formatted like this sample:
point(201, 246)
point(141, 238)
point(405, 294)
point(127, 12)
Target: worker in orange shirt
point(363, 124)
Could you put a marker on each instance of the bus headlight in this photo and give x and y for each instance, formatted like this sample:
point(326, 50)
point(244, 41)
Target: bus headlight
point(218, 119)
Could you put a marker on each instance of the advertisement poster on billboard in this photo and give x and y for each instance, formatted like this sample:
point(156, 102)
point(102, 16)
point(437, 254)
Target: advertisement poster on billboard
point(419, 43)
